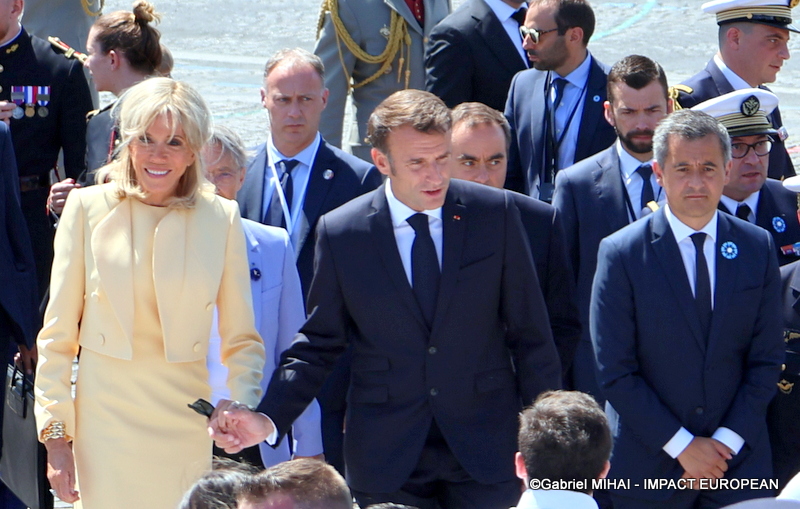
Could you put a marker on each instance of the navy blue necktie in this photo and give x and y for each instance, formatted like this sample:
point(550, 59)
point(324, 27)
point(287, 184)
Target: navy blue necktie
point(274, 216)
point(648, 195)
point(702, 283)
point(743, 212)
point(425, 272)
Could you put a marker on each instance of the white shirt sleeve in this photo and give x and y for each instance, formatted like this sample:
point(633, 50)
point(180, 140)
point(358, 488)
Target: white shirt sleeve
point(678, 442)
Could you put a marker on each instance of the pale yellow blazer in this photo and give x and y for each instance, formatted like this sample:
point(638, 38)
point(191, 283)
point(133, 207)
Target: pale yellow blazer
point(91, 293)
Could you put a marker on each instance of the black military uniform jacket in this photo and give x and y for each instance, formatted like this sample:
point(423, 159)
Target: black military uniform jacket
point(28, 61)
point(710, 83)
point(101, 140)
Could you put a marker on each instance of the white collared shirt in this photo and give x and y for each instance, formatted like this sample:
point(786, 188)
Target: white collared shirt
point(403, 232)
point(751, 201)
point(555, 499)
point(682, 234)
point(503, 11)
point(633, 181)
point(300, 177)
point(574, 98)
point(735, 81)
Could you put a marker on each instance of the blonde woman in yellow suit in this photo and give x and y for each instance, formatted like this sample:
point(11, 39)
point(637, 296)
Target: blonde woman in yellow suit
point(139, 267)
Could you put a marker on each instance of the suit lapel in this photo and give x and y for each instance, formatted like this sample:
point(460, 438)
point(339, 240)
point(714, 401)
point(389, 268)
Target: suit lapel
point(495, 36)
point(725, 278)
point(316, 192)
point(255, 248)
point(454, 222)
point(169, 264)
point(113, 256)
point(669, 256)
point(719, 79)
point(400, 7)
point(592, 110)
point(610, 190)
point(251, 196)
point(382, 230)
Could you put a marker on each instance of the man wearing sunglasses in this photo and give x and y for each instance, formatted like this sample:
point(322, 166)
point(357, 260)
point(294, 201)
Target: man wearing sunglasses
point(753, 46)
point(555, 109)
point(749, 194)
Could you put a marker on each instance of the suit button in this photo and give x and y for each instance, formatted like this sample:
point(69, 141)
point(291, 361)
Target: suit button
point(432, 350)
point(196, 347)
point(2, 68)
point(425, 40)
point(698, 410)
point(434, 391)
point(1, 88)
point(210, 306)
point(102, 339)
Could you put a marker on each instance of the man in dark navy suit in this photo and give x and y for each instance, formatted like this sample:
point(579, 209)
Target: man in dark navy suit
point(556, 108)
point(294, 178)
point(749, 194)
point(611, 189)
point(450, 334)
point(473, 53)
point(686, 326)
point(481, 137)
point(753, 45)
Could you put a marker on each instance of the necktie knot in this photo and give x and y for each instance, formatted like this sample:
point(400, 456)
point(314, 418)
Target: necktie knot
point(743, 212)
point(419, 222)
point(558, 86)
point(646, 171)
point(519, 15)
point(648, 194)
point(699, 239)
point(288, 165)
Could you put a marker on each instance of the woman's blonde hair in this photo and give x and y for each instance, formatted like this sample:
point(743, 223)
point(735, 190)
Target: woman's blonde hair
point(138, 108)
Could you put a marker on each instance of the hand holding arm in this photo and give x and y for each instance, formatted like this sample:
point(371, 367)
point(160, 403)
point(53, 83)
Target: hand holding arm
point(704, 458)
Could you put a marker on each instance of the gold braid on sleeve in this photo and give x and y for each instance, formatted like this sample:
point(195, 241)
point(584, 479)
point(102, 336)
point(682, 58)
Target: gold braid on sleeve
point(87, 7)
point(397, 40)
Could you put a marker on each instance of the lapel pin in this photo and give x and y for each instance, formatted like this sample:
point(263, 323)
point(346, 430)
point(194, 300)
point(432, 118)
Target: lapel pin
point(596, 98)
point(779, 224)
point(255, 274)
point(729, 250)
point(327, 174)
point(457, 218)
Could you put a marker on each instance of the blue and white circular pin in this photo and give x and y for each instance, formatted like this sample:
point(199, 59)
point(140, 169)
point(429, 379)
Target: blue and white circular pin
point(729, 250)
point(778, 224)
point(596, 98)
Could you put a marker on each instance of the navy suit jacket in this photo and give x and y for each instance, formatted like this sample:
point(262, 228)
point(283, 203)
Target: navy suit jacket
point(546, 240)
point(590, 199)
point(469, 57)
point(776, 212)
point(710, 83)
point(488, 353)
point(351, 177)
point(19, 297)
point(525, 112)
point(656, 368)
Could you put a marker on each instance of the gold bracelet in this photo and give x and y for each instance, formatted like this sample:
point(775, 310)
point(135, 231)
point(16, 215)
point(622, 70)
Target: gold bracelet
point(54, 430)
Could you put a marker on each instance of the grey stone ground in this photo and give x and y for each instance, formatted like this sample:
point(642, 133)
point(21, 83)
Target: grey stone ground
point(221, 47)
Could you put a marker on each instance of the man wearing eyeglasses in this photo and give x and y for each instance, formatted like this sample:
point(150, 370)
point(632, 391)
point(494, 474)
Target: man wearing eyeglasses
point(749, 194)
point(753, 45)
point(555, 109)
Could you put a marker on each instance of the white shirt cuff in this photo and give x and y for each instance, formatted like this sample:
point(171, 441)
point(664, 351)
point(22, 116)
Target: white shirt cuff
point(273, 437)
point(678, 442)
point(730, 438)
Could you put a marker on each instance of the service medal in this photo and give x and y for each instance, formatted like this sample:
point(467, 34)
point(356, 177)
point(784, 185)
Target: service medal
point(29, 112)
point(42, 111)
point(18, 113)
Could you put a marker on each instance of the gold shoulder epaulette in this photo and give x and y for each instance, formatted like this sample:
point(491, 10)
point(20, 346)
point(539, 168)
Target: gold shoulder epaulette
point(66, 50)
point(91, 114)
point(674, 93)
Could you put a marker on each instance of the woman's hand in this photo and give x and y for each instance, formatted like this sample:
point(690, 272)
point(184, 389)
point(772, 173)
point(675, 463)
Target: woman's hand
point(61, 469)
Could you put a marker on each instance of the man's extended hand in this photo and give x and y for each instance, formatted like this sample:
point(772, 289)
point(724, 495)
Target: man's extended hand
point(705, 458)
point(26, 359)
point(234, 427)
point(6, 110)
point(58, 194)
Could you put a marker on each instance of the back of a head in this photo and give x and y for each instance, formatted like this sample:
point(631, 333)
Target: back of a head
point(218, 488)
point(564, 436)
point(309, 483)
point(420, 110)
point(131, 34)
point(637, 72)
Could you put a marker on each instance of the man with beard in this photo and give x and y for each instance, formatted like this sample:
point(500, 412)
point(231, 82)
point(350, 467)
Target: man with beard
point(749, 194)
point(609, 190)
point(556, 108)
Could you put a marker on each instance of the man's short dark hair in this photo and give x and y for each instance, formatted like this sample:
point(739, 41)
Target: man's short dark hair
point(570, 14)
point(474, 114)
point(421, 110)
point(564, 436)
point(637, 72)
point(219, 488)
point(311, 484)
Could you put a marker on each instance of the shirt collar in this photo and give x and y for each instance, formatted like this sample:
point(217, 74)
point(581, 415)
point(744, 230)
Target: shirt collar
point(580, 75)
point(400, 212)
point(502, 10)
point(19, 31)
point(751, 201)
point(305, 156)
point(736, 82)
point(549, 499)
point(627, 163)
point(681, 231)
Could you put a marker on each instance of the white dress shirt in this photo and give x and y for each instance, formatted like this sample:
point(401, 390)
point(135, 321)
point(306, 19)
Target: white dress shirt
point(574, 97)
point(751, 201)
point(300, 177)
point(555, 499)
point(633, 181)
point(403, 232)
point(682, 234)
point(736, 82)
point(503, 11)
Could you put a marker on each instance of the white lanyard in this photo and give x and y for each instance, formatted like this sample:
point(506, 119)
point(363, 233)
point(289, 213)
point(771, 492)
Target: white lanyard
point(277, 188)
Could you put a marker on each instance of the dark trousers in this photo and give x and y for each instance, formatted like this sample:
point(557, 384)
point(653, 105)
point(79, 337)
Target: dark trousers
point(439, 481)
point(41, 231)
point(7, 348)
